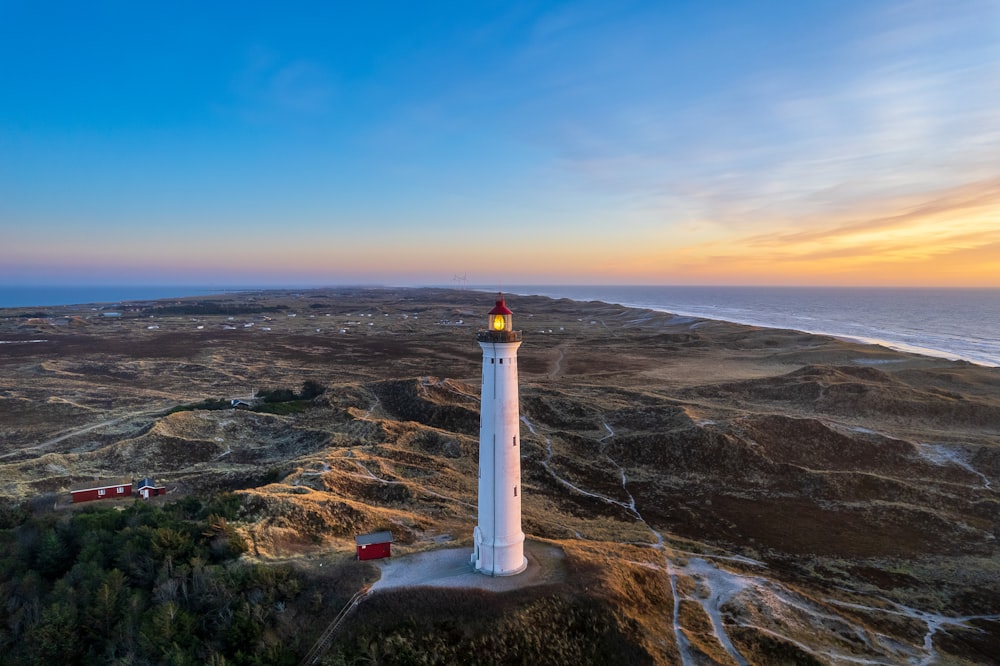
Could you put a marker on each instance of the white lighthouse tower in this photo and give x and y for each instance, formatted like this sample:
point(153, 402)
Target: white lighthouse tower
point(499, 541)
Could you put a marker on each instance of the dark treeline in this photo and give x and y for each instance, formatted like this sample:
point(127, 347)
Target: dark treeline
point(310, 390)
point(272, 400)
point(139, 585)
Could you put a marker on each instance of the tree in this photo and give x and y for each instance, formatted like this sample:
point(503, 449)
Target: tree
point(108, 602)
point(53, 555)
point(167, 630)
point(311, 389)
point(55, 640)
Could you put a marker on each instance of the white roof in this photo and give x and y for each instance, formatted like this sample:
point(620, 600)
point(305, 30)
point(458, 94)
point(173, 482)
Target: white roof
point(374, 537)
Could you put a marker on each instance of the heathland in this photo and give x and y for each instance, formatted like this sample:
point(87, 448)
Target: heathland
point(717, 493)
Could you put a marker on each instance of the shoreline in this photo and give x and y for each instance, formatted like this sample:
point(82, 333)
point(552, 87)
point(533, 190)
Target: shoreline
point(880, 342)
point(950, 354)
point(989, 360)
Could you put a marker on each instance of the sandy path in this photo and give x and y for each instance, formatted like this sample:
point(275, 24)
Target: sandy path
point(557, 368)
point(87, 428)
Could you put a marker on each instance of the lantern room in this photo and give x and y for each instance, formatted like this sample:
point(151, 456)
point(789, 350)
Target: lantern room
point(499, 327)
point(499, 316)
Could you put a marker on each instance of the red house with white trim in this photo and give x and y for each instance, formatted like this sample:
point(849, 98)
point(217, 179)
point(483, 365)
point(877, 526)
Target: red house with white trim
point(374, 546)
point(147, 488)
point(98, 490)
point(102, 490)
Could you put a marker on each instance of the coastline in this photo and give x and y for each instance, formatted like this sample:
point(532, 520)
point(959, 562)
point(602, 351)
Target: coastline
point(942, 344)
point(53, 296)
point(919, 333)
point(881, 342)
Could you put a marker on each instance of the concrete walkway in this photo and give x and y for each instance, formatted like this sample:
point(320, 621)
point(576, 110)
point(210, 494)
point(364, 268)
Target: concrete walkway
point(451, 568)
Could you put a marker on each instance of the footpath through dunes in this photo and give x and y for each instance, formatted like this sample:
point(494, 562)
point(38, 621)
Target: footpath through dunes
point(731, 609)
point(720, 493)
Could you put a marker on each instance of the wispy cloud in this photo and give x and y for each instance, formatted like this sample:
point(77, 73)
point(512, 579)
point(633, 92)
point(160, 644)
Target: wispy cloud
point(793, 144)
point(920, 242)
point(270, 86)
point(971, 208)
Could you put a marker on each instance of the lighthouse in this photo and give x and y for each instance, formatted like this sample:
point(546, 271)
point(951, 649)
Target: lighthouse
point(499, 541)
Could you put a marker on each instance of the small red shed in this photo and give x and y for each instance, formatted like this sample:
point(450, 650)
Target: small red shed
point(374, 546)
point(101, 490)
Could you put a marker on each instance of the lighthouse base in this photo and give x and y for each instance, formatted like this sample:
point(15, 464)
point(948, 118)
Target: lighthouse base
point(500, 558)
point(502, 572)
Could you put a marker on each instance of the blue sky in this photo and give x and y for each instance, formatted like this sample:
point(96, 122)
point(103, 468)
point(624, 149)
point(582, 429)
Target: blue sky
point(612, 142)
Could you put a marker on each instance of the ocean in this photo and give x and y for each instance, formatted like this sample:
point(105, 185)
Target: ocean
point(949, 323)
point(27, 297)
point(961, 324)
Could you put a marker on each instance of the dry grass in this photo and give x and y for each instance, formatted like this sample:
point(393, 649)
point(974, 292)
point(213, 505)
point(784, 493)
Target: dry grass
point(772, 444)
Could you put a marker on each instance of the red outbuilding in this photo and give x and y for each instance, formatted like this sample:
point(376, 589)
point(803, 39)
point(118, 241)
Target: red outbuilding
point(147, 488)
point(102, 490)
point(374, 546)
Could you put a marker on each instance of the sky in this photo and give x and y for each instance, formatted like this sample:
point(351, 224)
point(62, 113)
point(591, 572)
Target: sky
point(827, 142)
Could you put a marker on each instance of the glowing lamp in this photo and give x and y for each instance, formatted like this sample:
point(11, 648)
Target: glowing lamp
point(499, 316)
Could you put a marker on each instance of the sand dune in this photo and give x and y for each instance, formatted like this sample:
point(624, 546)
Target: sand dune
point(734, 494)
